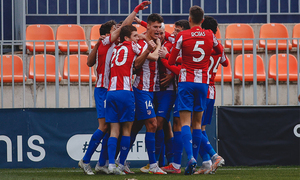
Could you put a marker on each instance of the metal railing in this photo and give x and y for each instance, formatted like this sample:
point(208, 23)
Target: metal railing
point(166, 8)
point(15, 43)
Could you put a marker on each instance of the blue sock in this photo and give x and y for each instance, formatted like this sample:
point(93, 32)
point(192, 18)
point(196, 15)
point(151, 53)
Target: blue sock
point(178, 147)
point(161, 159)
point(187, 141)
point(197, 136)
point(112, 145)
point(124, 148)
point(132, 138)
point(170, 150)
point(104, 154)
point(93, 144)
point(204, 155)
point(159, 141)
point(204, 133)
point(207, 146)
point(150, 145)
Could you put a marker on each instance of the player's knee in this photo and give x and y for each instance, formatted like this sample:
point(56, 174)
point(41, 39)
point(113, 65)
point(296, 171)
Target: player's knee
point(151, 125)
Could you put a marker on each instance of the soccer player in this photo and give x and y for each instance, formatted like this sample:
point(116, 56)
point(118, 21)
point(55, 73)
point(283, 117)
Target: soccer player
point(120, 98)
point(164, 98)
point(143, 92)
point(206, 150)
point(196, 45)
point(175, 166)
point(101, 55)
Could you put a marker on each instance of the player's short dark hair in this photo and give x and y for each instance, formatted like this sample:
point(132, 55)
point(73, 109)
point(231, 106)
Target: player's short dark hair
point(154, 17)
point(196, 13)
point(121, 22)
point(106, 27)
point(210, 23)
point(184, 24)
point(126, 31)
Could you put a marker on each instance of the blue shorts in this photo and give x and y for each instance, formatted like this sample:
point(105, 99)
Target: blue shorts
point(120, 106)
point(143, 104)
point(207, 115)
point(176, 112)
point(163, 103)
point(100, 99)
point(192, 96)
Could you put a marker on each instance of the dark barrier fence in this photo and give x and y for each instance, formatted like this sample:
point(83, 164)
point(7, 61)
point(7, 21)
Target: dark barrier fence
point(253, 136)
point(53, 137)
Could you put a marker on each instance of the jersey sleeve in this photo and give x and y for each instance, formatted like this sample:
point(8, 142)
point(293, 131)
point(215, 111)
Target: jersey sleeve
point(176, 48)
point(106, 40)
point(224, 60)
point(174, 69)
point(144, 24)
point(169, 37)
point(137, 49)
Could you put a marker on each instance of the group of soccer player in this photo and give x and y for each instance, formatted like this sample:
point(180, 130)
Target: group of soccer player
point(141, 78)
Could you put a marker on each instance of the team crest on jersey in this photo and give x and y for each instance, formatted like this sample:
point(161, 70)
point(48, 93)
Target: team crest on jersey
point(149, 112)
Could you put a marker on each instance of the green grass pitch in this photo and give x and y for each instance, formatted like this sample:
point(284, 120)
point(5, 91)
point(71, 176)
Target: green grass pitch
point(223, 173)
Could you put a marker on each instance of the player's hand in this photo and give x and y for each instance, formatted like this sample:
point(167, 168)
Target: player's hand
point(166, 80)
point(162, 52)
point(142, 36)
point(158, 42)
point(151, 45)
point(142, 6)
point(100, 39)
point(137, 20)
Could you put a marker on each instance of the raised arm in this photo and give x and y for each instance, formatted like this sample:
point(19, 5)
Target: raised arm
point(92, 56)
point(129, 19)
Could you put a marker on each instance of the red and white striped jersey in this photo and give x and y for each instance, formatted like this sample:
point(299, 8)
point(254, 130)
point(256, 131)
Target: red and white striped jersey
point(213, 68)
point(104, 53)
point(214, 62)
point(196, 44)
point(147, 74)
point(162, 70)
point(121, 70)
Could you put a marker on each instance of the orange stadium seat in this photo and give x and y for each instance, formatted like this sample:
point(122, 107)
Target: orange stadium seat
point(7, 69)
point(95, 35)
point(40, 68)
point(296, 34)
point(71, 32)
point(40, 32)
point(248, 68)
point(218, 33)
point(84, 69)
point(282, 67)
point(169, 28)
point(274, 30)
point(140, 28)
point(227, 73)
point(239, 31)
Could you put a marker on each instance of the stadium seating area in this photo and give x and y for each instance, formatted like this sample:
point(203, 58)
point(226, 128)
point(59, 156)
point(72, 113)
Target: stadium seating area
point(242, 64)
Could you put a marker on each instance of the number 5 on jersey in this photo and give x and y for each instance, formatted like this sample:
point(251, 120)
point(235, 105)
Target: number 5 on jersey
point(199, 49)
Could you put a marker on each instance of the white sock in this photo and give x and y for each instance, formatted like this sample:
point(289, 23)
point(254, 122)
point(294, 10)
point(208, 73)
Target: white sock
point(112, 166)
point(214, 156)
point(207, 163)
point(153, 165)
point(121, 167)
point(177, 166)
